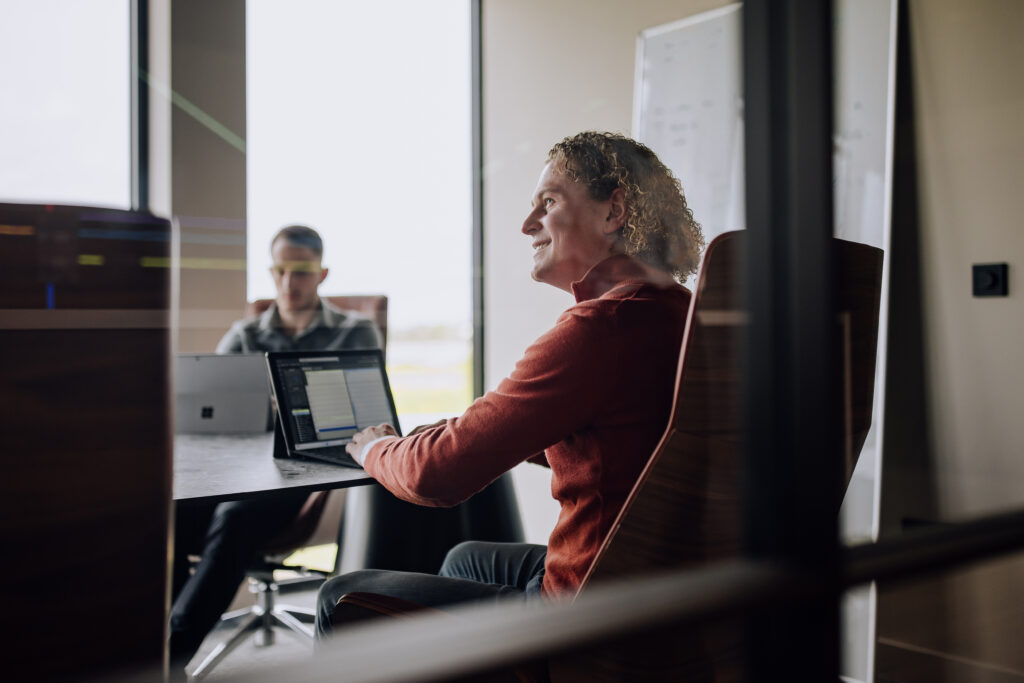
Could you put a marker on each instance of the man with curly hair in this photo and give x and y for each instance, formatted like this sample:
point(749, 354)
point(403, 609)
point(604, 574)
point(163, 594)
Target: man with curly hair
point(589, 399)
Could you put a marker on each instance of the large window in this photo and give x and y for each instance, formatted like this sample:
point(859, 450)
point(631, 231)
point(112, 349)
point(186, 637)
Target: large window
point(358, 124)
point(64, 81)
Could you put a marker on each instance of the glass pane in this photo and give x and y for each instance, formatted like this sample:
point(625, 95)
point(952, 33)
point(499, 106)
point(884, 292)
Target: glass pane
point(946, 430)
point(864, 41)
point(64, 126)
point(667, 74)
point(864, 46)
point(359, 126)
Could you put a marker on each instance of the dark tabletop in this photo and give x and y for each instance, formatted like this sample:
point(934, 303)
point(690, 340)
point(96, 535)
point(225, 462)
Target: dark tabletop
point(213, 467)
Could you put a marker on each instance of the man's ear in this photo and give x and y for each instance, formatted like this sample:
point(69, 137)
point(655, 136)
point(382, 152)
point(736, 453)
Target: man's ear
point(616, 211)
point(323, 275)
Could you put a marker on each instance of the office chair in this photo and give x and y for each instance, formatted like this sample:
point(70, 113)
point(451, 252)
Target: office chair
point(261, 619)
point(372, 306)
point(685, 508)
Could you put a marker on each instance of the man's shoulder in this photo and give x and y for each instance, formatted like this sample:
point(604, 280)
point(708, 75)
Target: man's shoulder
point(636, 293)
point(239, 336)
point(249, 325)
point(337, 317)
point(246, 323)
point(342, 329)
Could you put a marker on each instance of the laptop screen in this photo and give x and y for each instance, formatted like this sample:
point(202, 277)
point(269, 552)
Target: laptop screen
point(324, 397)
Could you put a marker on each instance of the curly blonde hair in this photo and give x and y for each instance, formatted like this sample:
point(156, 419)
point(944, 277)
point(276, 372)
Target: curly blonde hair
point(660, 228)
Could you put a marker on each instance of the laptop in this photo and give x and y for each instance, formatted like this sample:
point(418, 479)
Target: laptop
point(221, 394)
point(325, 397)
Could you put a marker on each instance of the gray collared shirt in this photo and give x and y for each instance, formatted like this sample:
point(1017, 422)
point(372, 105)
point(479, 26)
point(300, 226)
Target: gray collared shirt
point(331, 328)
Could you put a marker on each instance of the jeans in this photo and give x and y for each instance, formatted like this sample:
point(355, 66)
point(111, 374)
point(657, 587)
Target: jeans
point(472, 571)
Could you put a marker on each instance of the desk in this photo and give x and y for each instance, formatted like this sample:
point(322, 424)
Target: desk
point(215, 467)
point(381, 531)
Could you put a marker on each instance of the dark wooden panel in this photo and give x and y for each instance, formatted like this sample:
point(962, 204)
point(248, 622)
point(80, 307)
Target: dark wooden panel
point(85, 447)
point(75, 257)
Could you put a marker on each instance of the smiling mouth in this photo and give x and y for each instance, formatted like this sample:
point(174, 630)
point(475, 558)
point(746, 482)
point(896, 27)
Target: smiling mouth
point(537, 246)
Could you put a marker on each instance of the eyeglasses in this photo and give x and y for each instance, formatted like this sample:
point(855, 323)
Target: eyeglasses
point(296, 268)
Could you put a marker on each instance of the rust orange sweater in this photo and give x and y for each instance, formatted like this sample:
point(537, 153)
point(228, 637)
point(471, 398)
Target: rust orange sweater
point(590, 399)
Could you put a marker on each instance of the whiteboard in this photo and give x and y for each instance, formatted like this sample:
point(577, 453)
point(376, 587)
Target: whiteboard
point(688, 108)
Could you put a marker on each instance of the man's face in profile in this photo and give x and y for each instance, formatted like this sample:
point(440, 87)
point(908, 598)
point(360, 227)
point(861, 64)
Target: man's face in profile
point(570, 230)
point(297, 274)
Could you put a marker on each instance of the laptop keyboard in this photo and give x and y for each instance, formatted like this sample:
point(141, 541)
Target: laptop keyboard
point(333, 454)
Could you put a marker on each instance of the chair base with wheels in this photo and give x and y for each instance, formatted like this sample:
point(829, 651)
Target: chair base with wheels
point(260, 620)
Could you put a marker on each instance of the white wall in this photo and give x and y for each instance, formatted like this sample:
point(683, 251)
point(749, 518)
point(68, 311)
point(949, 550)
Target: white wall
point(970, 106)
point(958, 455)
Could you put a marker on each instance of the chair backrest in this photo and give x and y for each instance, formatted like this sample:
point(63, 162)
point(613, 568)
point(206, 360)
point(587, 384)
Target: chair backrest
point(373, 306)
point(685, 509)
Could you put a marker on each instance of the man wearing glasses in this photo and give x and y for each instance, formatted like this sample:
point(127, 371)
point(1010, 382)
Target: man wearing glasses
point(228, 536)
point(299, 319)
